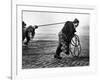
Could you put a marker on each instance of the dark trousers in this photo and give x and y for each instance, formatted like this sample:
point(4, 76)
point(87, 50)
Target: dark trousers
point(58, 51)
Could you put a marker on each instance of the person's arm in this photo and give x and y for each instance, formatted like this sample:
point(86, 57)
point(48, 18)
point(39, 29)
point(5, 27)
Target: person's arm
point(35, 26)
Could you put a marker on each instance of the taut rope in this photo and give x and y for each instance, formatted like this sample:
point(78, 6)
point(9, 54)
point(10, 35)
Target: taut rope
point(51, 24)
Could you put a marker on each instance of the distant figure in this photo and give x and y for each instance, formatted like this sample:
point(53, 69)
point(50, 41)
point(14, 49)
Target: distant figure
point(23, 30)
point(29, 33)
point(65, 36)
point(23, 24)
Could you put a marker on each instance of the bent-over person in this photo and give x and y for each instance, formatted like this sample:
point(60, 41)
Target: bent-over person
point(65, 36)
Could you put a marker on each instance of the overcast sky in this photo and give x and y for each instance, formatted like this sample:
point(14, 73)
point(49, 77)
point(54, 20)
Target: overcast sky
point(51, 32)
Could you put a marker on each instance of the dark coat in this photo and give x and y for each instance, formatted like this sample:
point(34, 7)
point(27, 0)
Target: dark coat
point(66, 34)
point(68, 28)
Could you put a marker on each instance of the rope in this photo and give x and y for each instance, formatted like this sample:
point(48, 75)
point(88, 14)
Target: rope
point(76, 39)
point(50, 24)
point(74, 43)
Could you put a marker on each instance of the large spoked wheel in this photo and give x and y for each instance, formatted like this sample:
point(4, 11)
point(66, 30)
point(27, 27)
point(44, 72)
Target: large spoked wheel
point(75, 46)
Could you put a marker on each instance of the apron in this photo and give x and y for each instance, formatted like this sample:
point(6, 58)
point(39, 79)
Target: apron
point(63, 41)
